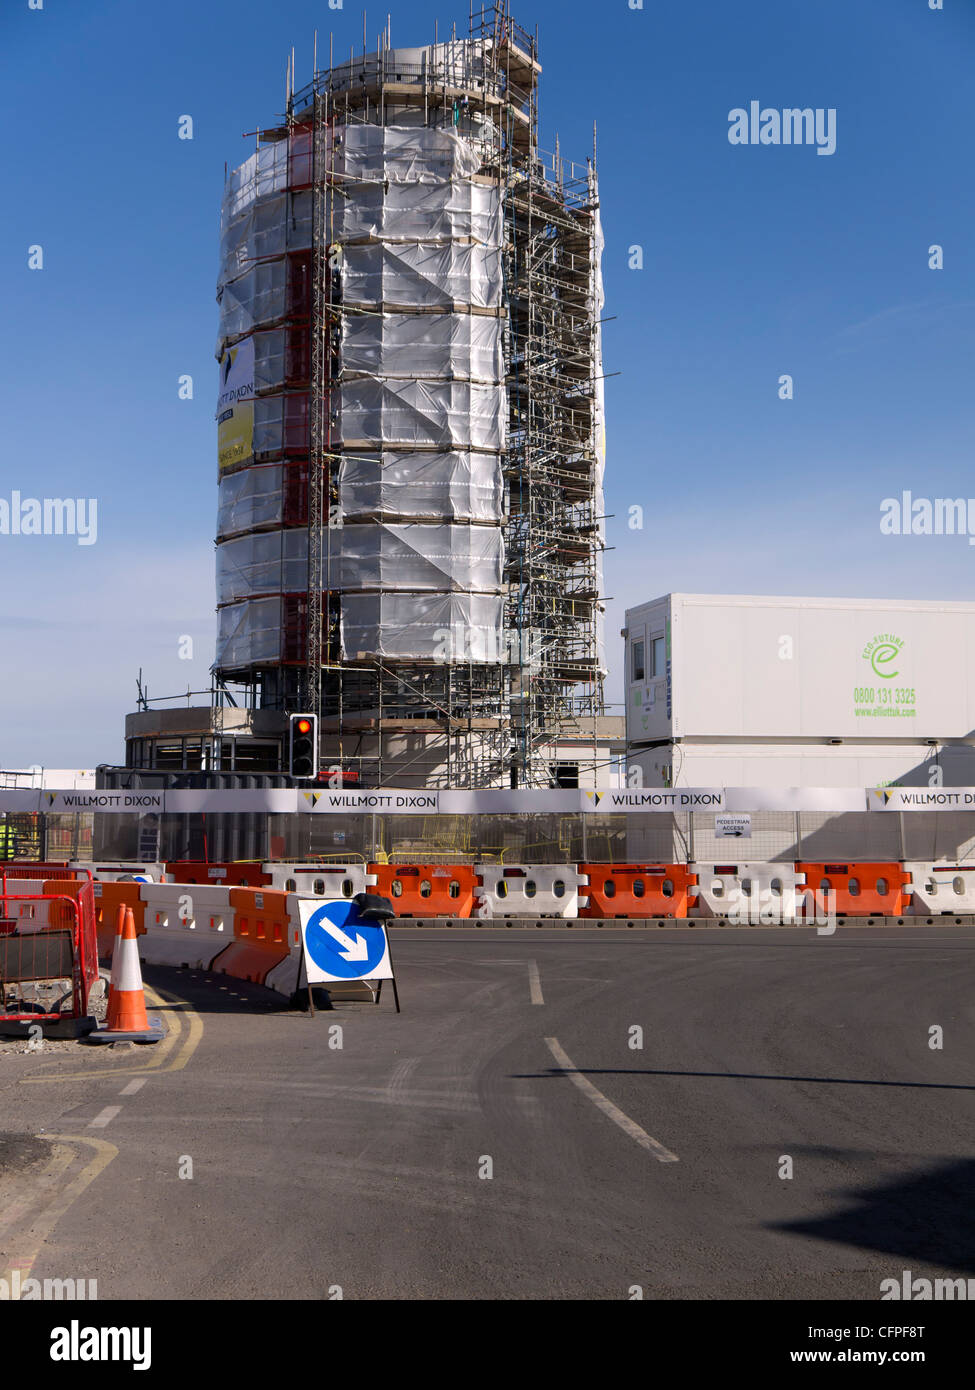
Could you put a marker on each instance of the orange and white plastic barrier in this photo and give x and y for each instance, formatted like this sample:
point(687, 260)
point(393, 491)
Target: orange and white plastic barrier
point(310, 876)
point(248, 933)
point(764, 893)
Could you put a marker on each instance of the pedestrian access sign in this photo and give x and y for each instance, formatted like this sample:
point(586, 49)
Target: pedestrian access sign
point(339, 945)
point(733, 827)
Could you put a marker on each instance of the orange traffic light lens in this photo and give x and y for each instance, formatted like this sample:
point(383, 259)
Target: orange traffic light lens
point(304, 726)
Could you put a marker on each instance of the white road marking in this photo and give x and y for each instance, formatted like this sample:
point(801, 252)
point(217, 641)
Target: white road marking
point(105, 1117)
point(133, 1086)
point(628, 1126)
point(535, 983)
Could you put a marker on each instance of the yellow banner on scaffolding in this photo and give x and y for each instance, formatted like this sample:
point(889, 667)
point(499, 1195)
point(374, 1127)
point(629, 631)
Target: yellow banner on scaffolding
point(235, 405)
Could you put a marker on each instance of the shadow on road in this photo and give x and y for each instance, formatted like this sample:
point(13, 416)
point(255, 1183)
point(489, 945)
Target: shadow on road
point(550, 1072)
point(927, 1217)
point(214, 994)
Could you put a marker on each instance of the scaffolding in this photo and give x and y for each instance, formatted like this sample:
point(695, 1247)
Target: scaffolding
point(415, 551)
point(552, 467)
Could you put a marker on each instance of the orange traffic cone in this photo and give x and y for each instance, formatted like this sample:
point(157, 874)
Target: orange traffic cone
point(116, 951)
point(127, 1019)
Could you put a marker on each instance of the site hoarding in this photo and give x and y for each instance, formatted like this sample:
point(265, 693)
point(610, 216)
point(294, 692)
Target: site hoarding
point(281, 801)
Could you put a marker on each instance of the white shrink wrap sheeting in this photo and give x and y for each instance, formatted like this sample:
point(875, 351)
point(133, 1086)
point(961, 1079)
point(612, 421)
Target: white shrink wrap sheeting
point(272, 562)
point(249, 633)
point(458, 486)
point(270, 347)
point(266, 171)
point(417, 557)
point(405, 346)
point(431, 212)
point(422, 274)
point(249, 498)
point(413, 556)
point(258, 296)
point(467, 346)
point(404, 155)
point(281, 420)
point(448, 414)
point(454, 627)
point(268, 227)
point(480, 132)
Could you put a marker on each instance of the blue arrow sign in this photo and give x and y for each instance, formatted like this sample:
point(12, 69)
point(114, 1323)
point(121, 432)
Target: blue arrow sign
point(340, 946)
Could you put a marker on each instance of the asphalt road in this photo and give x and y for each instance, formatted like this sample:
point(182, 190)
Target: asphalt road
point(613, 1167)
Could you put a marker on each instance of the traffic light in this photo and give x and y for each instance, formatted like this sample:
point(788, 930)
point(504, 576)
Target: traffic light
point(303, 749)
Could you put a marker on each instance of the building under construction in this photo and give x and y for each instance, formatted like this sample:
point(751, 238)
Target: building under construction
point(411, 442)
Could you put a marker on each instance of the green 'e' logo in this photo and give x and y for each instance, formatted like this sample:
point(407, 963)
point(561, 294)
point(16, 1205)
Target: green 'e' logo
point(882, 652)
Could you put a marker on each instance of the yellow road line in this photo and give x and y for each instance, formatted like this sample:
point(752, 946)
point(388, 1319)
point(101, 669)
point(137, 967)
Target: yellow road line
point(158, 1062)
point(44, 1223)
point(194, 1034)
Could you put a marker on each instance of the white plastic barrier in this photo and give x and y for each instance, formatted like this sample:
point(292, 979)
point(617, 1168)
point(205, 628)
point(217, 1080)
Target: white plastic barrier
point(30, 916)
point(120, 872)
point(320, 880)
point(528, 890)
point(765, 894)
point(937, 889)
point(29, 886)
point(186, 923)
point(192, 904)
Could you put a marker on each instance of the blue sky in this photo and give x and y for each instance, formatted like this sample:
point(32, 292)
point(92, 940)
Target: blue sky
point(757, 261)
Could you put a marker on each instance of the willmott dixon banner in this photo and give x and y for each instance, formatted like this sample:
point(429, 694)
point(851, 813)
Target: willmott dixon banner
point(392, 801)
point(235, 405)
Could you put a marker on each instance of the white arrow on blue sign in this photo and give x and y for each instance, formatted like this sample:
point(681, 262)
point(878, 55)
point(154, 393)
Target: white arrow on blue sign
point(340, 946)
